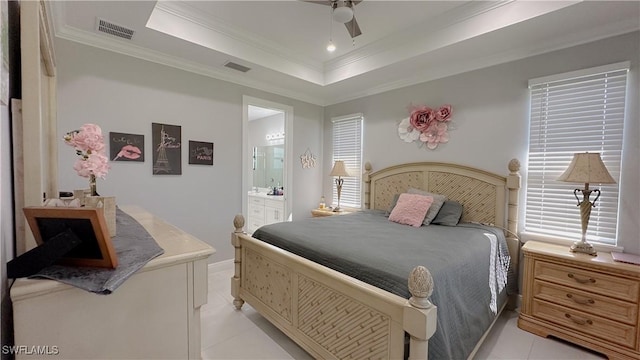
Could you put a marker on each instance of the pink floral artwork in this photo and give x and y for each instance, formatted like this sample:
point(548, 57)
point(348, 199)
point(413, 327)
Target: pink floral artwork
point(426, 125)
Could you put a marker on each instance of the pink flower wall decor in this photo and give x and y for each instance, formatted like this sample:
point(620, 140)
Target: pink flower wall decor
point(89, 145)
point(428, 126)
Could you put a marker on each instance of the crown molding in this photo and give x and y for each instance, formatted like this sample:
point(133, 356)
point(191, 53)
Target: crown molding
point(330, 96)
point(458, 26)
point(219, 25)
point(121, 47)
point(214, 33)
point(400, 38)
point(450, 69)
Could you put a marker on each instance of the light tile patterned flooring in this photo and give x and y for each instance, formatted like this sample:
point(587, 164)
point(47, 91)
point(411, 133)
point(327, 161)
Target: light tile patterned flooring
point(245, 334)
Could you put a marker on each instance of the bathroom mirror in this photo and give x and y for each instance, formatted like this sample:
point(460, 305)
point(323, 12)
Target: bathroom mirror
point(268, 166)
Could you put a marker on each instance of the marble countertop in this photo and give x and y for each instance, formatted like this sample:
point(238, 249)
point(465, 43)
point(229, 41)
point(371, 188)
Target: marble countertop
point(265, 196)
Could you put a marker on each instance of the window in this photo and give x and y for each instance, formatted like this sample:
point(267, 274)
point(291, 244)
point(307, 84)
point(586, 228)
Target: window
point(581, 111)
point(347, 146)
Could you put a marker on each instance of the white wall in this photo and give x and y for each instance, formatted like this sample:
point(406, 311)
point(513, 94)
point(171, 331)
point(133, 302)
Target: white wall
point(125, 94)
point(490, 113)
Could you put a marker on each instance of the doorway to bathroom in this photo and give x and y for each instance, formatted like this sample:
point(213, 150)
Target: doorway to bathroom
point(266, 162)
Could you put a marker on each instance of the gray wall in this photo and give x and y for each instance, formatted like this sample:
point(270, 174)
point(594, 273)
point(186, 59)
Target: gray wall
point(125, 94)
point(490, 114)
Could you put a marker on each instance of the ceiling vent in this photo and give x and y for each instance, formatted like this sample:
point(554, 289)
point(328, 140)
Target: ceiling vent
point(110, 28)
point(238, 67)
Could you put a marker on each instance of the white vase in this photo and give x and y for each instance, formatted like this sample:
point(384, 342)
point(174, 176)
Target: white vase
point(108, 204)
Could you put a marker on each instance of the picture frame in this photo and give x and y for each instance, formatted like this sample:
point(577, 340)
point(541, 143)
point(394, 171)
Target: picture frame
point(88, 224)
point(126, 147)
point(200, 152)
point(167, 144)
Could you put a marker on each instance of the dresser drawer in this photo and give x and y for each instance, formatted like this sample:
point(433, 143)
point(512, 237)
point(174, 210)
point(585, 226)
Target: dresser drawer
point(256, 212)
point(608, 330)
point(586, 280)
point(254, 200)
point(588, 302)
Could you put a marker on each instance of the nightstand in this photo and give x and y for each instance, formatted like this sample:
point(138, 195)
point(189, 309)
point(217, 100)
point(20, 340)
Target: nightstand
point(328, 212)
point(591, 301)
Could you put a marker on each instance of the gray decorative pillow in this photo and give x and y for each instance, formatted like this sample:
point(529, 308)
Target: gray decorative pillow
point(449, 214)
point(393, 204)
point(438, 201)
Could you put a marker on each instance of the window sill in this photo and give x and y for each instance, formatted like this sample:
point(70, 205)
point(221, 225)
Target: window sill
point(525, 236)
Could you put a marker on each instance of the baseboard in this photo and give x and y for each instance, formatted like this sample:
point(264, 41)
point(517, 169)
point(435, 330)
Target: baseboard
point(220, 265)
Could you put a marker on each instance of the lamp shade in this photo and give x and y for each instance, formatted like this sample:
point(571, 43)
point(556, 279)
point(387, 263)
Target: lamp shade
point(339, 169)
point(586, 168)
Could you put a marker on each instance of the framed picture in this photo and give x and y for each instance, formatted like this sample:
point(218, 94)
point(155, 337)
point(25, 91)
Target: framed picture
point(167, 149)
point(126, 147)
point(88, 224)
point(200, 152)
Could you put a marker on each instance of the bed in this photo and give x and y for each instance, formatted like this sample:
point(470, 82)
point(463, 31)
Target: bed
point(336, 316)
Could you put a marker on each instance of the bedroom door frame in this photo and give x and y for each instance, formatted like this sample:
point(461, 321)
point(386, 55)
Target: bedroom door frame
point(288, 151)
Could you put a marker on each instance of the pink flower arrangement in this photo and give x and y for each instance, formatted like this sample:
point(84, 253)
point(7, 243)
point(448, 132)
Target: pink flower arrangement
point(427, 125)
point(89, 145)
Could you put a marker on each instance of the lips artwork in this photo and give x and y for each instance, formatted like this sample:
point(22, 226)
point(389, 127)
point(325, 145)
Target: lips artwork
point(126, 147)
point(130, 152)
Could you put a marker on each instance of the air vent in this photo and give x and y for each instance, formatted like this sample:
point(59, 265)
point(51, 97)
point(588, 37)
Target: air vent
point(114, 29)
point(238, 67)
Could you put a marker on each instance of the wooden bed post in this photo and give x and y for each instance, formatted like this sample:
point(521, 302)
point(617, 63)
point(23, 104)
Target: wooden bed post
point(238, 223)
point(366, 178)
point(513, 183)
point(419, 318)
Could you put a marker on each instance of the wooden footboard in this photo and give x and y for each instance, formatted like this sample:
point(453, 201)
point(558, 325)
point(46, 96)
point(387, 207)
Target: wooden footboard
point(330, 315)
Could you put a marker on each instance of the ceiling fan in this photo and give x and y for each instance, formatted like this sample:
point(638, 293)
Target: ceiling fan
point(343, 13)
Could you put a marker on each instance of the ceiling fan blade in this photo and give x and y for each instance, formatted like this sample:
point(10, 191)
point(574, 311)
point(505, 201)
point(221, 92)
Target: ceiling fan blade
point(353, 28)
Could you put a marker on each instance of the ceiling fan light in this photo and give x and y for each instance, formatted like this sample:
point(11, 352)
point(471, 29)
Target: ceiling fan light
point(343, 14)
point(331, 47)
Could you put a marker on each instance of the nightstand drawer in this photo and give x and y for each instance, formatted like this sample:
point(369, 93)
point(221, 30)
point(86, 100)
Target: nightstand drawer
point(613, 309)
point(586, 280)
point(589, 324)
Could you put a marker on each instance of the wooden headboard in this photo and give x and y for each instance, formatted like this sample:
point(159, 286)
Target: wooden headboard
point(485, 197)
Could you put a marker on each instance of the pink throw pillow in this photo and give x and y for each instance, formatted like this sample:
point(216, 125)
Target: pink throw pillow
point(411, 209)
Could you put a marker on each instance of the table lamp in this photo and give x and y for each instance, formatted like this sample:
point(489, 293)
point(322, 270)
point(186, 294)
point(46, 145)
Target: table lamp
point(586, 168)
point(339, 170)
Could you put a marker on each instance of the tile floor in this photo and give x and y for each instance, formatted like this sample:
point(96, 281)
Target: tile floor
point(245, 334)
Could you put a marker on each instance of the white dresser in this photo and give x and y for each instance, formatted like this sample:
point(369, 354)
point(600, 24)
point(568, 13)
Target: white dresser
point(154, 314)
point(264, 209)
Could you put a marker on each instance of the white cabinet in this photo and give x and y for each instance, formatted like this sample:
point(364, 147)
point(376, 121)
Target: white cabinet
point(154, 314)
point(264, 211)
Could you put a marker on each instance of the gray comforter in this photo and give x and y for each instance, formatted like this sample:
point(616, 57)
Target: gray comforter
point(469, 264)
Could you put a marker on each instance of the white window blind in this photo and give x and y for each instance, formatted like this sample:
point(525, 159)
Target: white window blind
point(575, 112)
point(347, 146)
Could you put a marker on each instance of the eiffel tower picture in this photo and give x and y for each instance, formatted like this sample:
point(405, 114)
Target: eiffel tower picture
point(168, 149)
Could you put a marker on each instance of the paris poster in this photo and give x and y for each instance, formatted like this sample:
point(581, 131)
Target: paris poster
point(167, 149)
